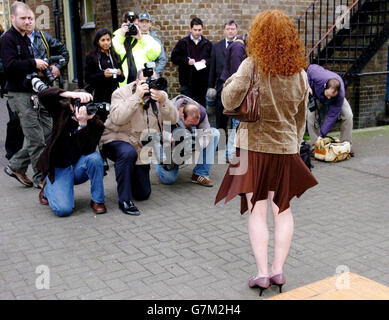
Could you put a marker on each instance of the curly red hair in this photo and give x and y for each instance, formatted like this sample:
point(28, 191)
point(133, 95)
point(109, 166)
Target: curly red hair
point(274, 43)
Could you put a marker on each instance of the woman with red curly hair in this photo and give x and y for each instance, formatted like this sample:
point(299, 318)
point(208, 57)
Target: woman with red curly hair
point(267, 165)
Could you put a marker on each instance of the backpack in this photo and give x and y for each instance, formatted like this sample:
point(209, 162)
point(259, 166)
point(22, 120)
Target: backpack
point(305, 154)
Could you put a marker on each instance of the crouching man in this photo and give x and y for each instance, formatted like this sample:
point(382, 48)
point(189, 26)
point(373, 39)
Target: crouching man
point(70, 156)
point(194, 121)
point(137, 113)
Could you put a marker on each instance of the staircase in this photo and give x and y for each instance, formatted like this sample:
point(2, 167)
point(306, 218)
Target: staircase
point(343, 36)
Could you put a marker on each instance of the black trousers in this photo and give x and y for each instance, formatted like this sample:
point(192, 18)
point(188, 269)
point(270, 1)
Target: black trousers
point(14, 136)
point(197, 93)
point(221, 119)
point(133, 181)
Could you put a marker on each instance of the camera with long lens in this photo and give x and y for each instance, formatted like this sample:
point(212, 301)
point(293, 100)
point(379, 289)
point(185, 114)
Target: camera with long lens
point(92, 107)
point(312, 103)
point(49, 77)
point(33, 81)
point(132, 30)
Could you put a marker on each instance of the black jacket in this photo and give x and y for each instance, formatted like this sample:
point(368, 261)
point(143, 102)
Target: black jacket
point(186, 48)
point(18, 59)
point(57, 48)
point(85, 140)
point(103, 87)
point(218, 58)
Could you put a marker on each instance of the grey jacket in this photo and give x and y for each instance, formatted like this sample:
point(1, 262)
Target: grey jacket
point(161, 60)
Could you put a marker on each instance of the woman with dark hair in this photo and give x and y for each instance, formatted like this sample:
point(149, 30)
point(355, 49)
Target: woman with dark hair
point(267, 166)
point(103, 71)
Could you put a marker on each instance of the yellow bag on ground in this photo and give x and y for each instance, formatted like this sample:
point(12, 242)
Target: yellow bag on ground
point(332, 150)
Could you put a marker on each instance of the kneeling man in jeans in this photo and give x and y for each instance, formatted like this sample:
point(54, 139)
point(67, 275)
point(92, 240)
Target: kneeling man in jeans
point(194, 120)
point(70, 156)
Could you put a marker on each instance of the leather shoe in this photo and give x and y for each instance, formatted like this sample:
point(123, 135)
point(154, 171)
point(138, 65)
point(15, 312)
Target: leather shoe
point(129, 208)
point(42, 199)
point(98, 208)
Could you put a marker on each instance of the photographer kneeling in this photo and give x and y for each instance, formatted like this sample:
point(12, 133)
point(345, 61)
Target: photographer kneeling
point(70, 156)
point(194, 127)
point(131, 119)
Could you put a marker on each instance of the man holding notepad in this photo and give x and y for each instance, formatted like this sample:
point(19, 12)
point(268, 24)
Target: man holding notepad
point(192, 54)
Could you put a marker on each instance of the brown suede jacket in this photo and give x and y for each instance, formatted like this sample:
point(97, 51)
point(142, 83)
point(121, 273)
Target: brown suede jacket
point(283, 102)
point(128, 121)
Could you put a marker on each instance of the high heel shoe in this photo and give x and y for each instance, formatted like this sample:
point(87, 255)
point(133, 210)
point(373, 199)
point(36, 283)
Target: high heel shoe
point(262, 283)
point(279, 280)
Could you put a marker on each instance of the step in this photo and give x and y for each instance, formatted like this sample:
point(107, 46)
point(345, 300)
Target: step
point(343, 286)
point(339, 60)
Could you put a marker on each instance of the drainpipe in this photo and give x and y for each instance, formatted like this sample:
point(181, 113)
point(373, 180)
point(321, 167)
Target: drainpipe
point(57, 13)
point(114, 14)
point(387, 89)
point(77, 41)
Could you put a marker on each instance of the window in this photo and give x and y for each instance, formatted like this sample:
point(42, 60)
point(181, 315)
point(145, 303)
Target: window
point(88, 14)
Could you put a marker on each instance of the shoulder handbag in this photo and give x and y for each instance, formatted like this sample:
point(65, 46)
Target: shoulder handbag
point(249, 110)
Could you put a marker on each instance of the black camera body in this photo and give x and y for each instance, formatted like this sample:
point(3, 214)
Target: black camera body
point(312, 103)
point(157, 84)
point(92, 107)
point(132, 30)
point(31, 82)
point(47, 72)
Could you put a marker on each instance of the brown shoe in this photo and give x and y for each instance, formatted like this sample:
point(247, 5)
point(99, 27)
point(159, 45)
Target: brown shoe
point(21, 177)
point(98, 208)
point(42, 199)
point(201, 180)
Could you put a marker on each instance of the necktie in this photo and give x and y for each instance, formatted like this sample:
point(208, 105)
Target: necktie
point(228, 43)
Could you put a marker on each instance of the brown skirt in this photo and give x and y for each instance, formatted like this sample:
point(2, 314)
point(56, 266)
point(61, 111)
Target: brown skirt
point(257, 172)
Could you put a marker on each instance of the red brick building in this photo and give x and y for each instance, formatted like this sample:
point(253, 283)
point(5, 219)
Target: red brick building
point(76, 21)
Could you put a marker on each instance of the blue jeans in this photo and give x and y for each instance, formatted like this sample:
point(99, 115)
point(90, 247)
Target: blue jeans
point(60, 193)
point(231, 150)
point(202, 168)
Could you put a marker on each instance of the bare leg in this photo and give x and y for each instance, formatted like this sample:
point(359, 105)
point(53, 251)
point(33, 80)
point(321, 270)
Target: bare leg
point(259, 234)
point(283, 234)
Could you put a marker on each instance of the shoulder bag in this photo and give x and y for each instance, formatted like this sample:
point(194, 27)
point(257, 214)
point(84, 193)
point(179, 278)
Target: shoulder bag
point(249, 110)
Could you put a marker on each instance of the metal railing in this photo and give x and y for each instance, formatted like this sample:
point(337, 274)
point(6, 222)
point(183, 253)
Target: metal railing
point(336, 32)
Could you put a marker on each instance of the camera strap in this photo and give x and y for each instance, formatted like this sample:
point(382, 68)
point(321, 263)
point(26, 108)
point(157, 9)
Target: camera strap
point(130, 60)
point(45, 44)
point(154, 108)
point(110, 58)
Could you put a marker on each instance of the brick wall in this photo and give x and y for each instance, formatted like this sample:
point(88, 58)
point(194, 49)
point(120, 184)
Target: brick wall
point(367, 93)
point(171, 20)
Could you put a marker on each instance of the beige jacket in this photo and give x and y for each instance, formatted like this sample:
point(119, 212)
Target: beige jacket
point(283, 102)
point(127, 120)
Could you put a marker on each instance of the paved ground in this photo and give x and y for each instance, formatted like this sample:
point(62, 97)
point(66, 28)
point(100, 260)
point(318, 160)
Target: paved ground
point(184, 247)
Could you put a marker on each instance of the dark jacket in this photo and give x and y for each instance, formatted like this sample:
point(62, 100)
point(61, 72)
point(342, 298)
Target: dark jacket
point(235, 54)
point(18, 59)
point(185, 49)
point(218, 58)
point(103, 87)
point(57, 48)
point(85, 140)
